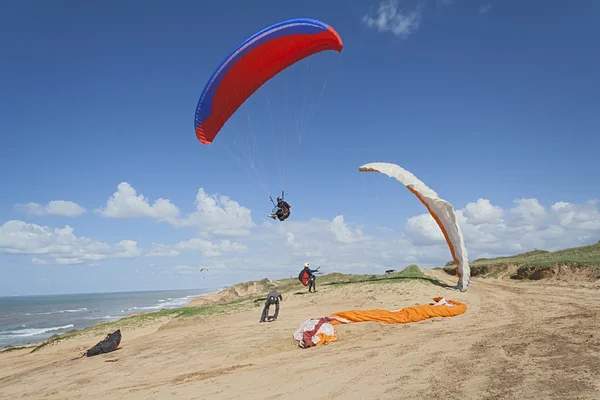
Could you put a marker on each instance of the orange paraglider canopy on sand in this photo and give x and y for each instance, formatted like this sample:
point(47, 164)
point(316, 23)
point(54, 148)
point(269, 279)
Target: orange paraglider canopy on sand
point(318, 331)
point(450, 308)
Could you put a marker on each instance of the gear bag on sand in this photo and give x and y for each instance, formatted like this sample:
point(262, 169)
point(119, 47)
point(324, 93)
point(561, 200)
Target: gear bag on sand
point(110, 343)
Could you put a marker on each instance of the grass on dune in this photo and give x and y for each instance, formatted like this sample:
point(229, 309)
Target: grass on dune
point(411, 272)
point(581, 257)
point(141, 320)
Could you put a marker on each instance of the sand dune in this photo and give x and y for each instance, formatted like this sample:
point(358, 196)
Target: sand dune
point(517, 340)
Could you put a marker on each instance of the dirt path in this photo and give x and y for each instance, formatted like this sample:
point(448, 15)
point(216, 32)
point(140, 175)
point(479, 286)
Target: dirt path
point(527, 340)
point(517, 340)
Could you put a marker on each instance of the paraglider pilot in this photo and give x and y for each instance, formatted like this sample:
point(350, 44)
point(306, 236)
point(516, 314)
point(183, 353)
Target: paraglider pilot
point(281, 210)
point(273, 298)
point(312, 287)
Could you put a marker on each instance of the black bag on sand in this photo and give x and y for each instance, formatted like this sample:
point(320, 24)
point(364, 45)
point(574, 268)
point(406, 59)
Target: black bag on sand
point(110, 343)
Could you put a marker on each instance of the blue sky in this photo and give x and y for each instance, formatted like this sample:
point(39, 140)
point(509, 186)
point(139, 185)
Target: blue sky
point(493, 104)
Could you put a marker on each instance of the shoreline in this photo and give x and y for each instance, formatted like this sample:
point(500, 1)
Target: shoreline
point(537, 265)
point(228, 297)
point(98, 293)
point(112, 320)
point(221, 351)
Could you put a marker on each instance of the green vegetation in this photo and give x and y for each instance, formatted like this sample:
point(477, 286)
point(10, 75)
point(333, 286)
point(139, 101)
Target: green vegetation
point(412, 272)
point(265, 282)
point(12, 348)
point(538, 264)
point(141, 320)
point(535, 264)
point(233, 302)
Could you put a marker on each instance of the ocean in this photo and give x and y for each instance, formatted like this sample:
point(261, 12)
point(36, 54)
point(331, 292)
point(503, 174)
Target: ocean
point(31, 319)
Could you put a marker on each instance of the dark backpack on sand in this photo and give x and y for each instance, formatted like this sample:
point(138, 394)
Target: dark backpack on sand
point(110, 343)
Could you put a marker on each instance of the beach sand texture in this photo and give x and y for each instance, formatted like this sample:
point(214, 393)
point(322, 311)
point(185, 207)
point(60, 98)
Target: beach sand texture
point(517, 340)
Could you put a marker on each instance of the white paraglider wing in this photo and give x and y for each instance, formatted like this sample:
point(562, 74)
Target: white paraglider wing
point(441, 211)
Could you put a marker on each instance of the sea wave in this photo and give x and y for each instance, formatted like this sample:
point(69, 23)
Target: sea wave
point(71, 311)
point(164, 304)
point(34, 331)
point(59, 311)
point(107, 317)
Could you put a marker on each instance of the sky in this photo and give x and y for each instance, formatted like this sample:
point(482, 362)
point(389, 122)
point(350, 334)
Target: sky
point(493, 104)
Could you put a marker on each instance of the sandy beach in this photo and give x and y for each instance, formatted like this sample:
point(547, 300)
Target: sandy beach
point(517, 340)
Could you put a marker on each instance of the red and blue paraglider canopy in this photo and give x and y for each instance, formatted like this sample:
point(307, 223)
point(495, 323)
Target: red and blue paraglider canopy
point(253, 63)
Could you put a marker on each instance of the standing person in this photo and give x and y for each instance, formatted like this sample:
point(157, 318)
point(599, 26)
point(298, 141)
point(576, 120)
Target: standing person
point(308, 278)
point(272, 298)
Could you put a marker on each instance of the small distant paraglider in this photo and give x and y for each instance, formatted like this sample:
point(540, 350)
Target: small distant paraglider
point(203, 269)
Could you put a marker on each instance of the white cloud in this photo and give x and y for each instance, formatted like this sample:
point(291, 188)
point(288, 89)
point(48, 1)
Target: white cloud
point(343, 233)
point(291, 240)
point(281, 248)
point(59, 245)
point(482, 212)
point(211, 249)
point(184, 269)
point(56, 207)
point(195, 269)
point(218, 215)
point(384, 229)
point(529, 211)
point(530, 225)
point(390, 18)
point(485, 8)
point(423, 230)
point(489, 231)
point(583, 217)
point(275, 248)
point(214, 215)
point(161, 250)
point(126, 203)
point(206, 247)
point(444, 2)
